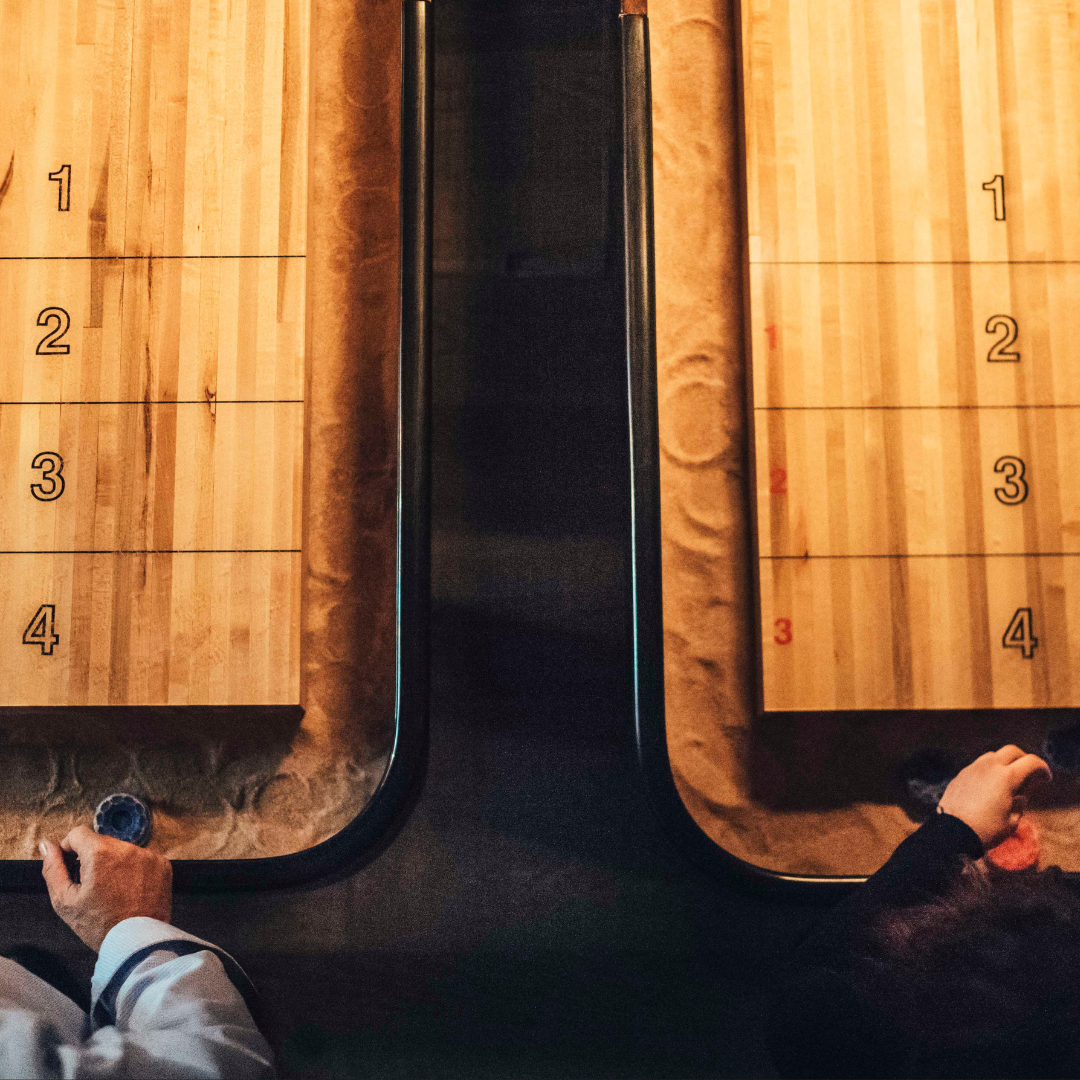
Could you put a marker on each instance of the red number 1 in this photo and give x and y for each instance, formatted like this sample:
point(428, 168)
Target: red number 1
point(784, 636)
point(771, 331)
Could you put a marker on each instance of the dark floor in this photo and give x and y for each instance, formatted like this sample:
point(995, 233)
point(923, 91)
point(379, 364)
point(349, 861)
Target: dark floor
point(529, 919)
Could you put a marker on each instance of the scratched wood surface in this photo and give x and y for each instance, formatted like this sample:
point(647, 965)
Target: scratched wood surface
point(913, 180)
point(151, 360)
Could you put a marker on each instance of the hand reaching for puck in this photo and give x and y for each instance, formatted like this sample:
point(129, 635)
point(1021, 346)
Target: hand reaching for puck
point(988, 794)
point(114, 881)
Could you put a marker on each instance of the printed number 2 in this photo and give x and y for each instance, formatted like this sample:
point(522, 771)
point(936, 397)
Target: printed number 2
point(783, 633)
point(1005, 325)
point(778, 481)
point(42, 629)
point(997, 186)
point(59, 322)
point(1020, 633)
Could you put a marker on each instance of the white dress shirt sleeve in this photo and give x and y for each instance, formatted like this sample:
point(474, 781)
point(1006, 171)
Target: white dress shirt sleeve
point(164, 1004)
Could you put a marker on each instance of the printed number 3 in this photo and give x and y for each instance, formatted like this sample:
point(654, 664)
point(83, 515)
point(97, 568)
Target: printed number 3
point(1015, 490)
point(783, 635)
point(52, 477)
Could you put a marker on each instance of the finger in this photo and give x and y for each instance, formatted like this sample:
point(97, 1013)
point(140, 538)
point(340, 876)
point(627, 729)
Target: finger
point(83, 841)
point(1029, 769)
point(1008, 754)
point(53, 870)
point(1014, 821)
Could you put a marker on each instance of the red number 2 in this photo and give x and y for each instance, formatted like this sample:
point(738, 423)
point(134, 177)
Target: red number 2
point(778, 481)
point(784, 636)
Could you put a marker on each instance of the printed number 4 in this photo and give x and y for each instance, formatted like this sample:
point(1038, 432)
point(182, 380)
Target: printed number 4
point(42, 629)
point(1020, 633)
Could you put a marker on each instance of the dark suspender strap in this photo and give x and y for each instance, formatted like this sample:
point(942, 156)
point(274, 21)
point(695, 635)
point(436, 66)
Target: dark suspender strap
point(105, 1008)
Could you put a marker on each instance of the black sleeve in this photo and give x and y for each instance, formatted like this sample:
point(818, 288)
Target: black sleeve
point(819, 1025)
point(921, 868)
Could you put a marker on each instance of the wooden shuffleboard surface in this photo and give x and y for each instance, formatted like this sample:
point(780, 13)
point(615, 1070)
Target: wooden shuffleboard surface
point(913, 189)
point(152, 237)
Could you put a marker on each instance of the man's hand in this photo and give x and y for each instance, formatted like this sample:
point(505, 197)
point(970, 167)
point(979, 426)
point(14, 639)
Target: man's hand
point(986, 794)
point(117, 881)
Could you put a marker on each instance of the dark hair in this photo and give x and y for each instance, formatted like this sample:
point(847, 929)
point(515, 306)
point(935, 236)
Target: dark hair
point(985, 980)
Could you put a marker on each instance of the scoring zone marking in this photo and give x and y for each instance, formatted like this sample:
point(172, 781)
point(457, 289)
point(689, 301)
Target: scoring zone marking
point(826, 477)
point(123, 258)
point(40, 630)
point(930, 555)
point(170, 401)
point(1020, 633)
point(257, 622)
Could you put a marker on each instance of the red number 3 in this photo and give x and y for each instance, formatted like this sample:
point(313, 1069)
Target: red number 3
point(784, 635)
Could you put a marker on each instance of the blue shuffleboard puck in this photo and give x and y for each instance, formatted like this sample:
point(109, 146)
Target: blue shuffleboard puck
point(123, 816)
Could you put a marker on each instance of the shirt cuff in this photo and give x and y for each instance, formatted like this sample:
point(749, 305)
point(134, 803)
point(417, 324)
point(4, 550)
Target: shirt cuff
point(129, 937)
point(951, 831)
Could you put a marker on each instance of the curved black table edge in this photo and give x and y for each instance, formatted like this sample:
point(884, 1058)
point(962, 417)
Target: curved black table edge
point(373, 829)
point(650, 721)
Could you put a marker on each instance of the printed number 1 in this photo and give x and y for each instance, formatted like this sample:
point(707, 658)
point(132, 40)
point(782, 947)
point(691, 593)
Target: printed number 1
point(63, 177)
point(42, 629)
point(1020, 634)
point(997, 186)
